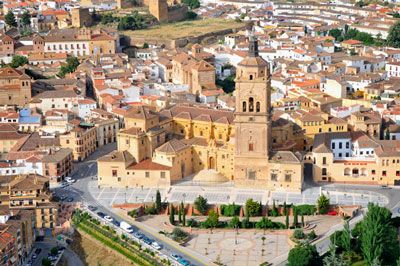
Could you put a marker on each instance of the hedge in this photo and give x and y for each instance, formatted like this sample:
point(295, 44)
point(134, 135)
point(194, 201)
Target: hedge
point(306, 209)
point(113, 242)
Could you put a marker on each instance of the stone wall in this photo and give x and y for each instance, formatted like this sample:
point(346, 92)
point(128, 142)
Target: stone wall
point(207, 38)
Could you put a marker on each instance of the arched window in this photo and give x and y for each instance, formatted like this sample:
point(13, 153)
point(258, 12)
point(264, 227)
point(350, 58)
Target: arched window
point(258, 107)
point(244, 106)
point(251, 104)
point(251, 77)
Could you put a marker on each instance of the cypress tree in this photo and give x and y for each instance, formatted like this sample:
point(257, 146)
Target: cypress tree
point(158, 201)
point(295, 218)
point(172, 214)
point(287, 218)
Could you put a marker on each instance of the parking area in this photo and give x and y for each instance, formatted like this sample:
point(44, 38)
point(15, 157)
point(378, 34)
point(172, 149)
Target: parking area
point(225, 194)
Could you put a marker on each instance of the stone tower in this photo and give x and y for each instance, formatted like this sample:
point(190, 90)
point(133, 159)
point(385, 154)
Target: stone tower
point(159, 9)
point(252, 117)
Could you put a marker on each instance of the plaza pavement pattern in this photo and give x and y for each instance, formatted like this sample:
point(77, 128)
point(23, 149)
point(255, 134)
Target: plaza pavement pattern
point(229, 194)
point(246, 248)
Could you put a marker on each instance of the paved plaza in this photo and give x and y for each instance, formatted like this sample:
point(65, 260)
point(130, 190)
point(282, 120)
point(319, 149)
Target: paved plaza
point(230, 194)
point(246, 248)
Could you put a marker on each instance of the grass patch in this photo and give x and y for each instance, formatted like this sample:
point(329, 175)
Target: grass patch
point(185, 28)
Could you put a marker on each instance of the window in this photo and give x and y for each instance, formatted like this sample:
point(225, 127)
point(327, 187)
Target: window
point(383, 173)
point(373, 172)
point(347, 145)
point(340, 154)
point(288, 178)
point(244, 105)
point(127, 141)
point(162, 175)
point(251, 147)
point(251, 104)
point(333, 145)
point(147, 174)
point(340, 145)
point(274, 177)
point(347, 154)
point(323, 160)
point(251, 175)
point(258, 107)
point(397, 173)
point(114, 173)
point(251, 77)
point(67, 141)
point(119, 179)
point(324, 171)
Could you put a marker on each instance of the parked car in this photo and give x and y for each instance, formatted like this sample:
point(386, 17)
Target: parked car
point(176, 257)
point(126, 227)
point(34, 256)
point(37, 251)
point(116, 223)
point(108, 218)
point(92, 208)
point(101, 214)
point(63, 197)
point(138, 235)
point(70, 180)
point(64, 185)
point(156, 245)
point(70, 199)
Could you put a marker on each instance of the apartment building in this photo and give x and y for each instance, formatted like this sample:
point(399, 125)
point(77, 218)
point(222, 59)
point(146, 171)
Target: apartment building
point(81, 140)
point(30, 192)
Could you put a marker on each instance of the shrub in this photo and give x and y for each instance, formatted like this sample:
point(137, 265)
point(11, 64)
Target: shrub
point(151, 210)
point(179, 234)
point(312, 235)
point(235, 222)
point(306, 209)
point(230, 210)
point(201, 205)
point(253, 208)
point(245, 223)
point(53, 251)
point(192, 223)
point(298, 234)
point(323, 204)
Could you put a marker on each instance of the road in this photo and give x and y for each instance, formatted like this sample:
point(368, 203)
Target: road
point(87, 171)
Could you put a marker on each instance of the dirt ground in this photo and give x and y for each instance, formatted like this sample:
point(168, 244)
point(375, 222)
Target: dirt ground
point(93, 253)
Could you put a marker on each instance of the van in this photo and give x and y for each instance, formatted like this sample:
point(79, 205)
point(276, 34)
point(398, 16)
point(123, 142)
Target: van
point(126, 227)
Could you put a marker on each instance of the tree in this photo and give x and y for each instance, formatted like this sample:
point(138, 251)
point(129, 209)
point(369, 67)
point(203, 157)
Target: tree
point(302, 220)
point(303, 255)
point(180, 215)
point(235, 222)
point(287, 220)
point(212, 219)
point(336, 33)
point(379, 236)
point(191, 15)
point(158, 201)
point(295, 216)
point(393, 38)
point(274, 211)
point(145, 45)
point(183, 214)
point(9, 19)
point(54, 251)
point(346, 237)
point(201, 204)
point(134, 21)
point(323, 204)
point(46, 262)
point(284, 208)
point(192, 4)
point(253, 208)
point(227, 84)
point(334, 260)
point(26, 19)
point(72, 65)
point(18, 60)
point(171, 214)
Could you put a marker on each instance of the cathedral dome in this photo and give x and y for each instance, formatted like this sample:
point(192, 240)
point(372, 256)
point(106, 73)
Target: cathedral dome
point(209, 176)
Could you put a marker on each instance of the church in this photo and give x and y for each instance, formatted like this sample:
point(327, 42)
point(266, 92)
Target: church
point(207, 146)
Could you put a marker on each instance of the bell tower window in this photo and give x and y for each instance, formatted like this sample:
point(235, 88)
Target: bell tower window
point(251, 147)
point(258, 107)
point(251, 104)
point(251, 77)
point(244, 105)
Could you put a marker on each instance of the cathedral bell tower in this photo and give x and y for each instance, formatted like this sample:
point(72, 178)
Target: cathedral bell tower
point(252, 117)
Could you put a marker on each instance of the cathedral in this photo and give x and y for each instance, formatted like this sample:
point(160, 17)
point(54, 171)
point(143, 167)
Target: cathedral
point(157, 149)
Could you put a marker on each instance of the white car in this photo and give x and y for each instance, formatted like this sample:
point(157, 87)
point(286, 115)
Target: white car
point(156, 245)
point(108, 218)
point(70, 180)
